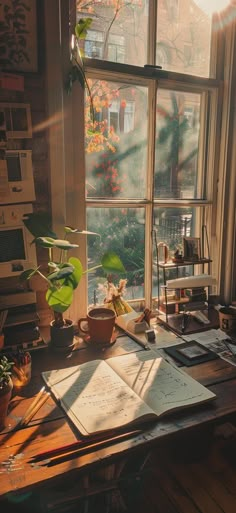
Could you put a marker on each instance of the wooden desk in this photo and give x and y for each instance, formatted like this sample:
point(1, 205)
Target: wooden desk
point(50, 427)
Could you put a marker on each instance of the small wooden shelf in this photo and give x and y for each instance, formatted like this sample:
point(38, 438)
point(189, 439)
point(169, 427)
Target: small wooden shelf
point(185, 263)
point(174, 320)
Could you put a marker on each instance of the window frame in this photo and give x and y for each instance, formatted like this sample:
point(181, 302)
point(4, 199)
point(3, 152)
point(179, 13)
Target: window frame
point(208, 88)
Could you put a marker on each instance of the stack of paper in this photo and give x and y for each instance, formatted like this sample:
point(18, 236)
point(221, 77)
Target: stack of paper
point(201, 280)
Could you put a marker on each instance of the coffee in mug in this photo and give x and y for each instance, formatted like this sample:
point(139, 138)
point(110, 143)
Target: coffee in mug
point(100, 324)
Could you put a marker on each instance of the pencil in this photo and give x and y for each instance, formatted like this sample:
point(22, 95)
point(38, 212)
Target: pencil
point(32, 405)
point(37, 407)
point(144, 345)
point(81, 444)
point(91, 446)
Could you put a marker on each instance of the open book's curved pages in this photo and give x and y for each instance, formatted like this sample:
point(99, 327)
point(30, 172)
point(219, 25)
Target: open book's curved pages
point(123, 391)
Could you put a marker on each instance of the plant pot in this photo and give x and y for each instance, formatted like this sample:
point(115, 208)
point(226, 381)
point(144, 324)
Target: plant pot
point(5, 396)
point(62, 337)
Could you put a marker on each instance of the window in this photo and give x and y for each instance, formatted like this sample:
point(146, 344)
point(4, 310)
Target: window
point(151, 163)
point(185, 28)
point(93, 46)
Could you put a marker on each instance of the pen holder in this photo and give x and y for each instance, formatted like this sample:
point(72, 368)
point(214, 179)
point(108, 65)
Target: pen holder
point(21, 372)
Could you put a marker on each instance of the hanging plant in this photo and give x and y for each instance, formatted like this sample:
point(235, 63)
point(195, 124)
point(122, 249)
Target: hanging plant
point(77, 72)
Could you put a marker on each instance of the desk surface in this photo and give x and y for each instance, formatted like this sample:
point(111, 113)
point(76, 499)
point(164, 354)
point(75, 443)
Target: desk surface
point(50, 427)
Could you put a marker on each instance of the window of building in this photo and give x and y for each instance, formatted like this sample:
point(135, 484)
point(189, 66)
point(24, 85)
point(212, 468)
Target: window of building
point(151, 163)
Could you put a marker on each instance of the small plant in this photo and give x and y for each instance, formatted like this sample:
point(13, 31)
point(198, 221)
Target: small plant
point(64, 274)
point(5, 371)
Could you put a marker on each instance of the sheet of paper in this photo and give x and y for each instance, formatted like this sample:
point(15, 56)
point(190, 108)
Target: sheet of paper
point(128, 344)
point(162, 386)
point(216, 340)
point(207, 337)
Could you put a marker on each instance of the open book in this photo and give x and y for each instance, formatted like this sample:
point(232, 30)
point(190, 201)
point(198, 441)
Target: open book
point(123, 391)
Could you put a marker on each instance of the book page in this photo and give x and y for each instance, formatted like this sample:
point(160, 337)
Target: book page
point(96, 396)
point(162, 386)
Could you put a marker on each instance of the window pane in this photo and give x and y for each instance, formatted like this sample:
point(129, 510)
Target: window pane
point(118, 30)
point(122, 232)
point(177, 141)
point(170, 226)
point(116, 149)
point(183, 36)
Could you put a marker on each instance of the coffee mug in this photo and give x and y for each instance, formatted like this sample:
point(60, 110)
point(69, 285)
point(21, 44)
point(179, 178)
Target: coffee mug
point(227, 317)
point(100, 324)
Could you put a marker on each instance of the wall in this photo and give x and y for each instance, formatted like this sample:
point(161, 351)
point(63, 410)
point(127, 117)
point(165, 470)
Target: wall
point(35, 94)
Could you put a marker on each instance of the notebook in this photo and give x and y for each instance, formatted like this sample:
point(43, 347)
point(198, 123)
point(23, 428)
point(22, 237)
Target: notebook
point(123, 391)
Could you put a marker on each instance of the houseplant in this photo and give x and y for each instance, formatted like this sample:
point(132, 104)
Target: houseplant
point(63, 274)
point(6, 386)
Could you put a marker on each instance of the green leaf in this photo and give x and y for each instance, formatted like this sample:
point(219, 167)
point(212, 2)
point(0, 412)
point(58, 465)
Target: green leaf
point(45, 242)
point(39, 224)
point(62, 273)
point(112, 263)
point(69, 229)
point(78, 74)
point(75, 277)
point(26, 275)
point(48, 242)
point(82, 27)
point(60, 299)
point(92, 132)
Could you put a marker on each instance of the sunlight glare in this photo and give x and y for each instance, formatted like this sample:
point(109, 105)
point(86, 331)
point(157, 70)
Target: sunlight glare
point(212, 6)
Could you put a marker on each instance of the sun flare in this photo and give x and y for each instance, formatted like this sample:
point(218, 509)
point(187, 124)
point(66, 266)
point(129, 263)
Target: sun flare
point(212, 6)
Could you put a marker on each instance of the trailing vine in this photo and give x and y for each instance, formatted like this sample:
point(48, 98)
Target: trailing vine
point(77, 72)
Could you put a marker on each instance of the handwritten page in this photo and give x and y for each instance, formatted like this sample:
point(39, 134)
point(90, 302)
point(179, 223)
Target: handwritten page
point(162, 386)
point(95, 396)
point(104, 395)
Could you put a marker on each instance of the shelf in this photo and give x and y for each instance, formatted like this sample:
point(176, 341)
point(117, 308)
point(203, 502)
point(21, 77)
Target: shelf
point(167, 287)
point(174, 323)
point(173, 319)
point(172, 265)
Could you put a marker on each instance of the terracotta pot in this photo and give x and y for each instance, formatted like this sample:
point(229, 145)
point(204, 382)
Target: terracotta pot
point(62, 337)
point(5, 396)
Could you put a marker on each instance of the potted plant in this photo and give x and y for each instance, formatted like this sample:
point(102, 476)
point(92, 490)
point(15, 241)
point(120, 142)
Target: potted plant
point(63, 274)
point(6, 386)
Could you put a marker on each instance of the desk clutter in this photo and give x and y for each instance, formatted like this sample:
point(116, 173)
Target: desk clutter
point(19, 330)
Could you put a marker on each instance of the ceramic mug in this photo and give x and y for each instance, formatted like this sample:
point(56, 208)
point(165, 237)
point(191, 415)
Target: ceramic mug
point(227, 317)
point(100, 324)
